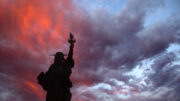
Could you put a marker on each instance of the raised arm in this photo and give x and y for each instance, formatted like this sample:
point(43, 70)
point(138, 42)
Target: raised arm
point(71, 41)
point(69, 60)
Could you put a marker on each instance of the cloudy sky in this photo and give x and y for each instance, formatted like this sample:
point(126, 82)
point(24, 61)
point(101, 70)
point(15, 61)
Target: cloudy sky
point(126, 50)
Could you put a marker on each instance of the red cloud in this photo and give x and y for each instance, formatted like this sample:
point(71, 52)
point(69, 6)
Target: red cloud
point(30, 29)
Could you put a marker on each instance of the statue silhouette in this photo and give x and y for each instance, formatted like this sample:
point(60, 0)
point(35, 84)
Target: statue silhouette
point(56, 81)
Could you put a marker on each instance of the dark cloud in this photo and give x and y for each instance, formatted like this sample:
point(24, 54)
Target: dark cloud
point(121, 41)
point(166, 74)
point(117, 43)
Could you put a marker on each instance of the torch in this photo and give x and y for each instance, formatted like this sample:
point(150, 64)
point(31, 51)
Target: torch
point(71, 38)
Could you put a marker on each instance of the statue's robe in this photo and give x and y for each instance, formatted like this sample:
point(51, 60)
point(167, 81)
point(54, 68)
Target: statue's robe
point(58, 81)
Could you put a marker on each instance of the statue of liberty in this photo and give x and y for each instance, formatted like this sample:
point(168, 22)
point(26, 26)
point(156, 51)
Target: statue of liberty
point(56, 81)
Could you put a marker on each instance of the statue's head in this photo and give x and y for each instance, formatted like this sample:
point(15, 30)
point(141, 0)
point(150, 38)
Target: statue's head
point(59, 57)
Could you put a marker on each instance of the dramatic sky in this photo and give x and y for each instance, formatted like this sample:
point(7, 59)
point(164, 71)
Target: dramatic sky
point(126, 50)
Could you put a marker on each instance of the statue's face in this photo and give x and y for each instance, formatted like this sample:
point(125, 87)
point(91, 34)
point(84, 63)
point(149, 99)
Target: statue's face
point(59, 58)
